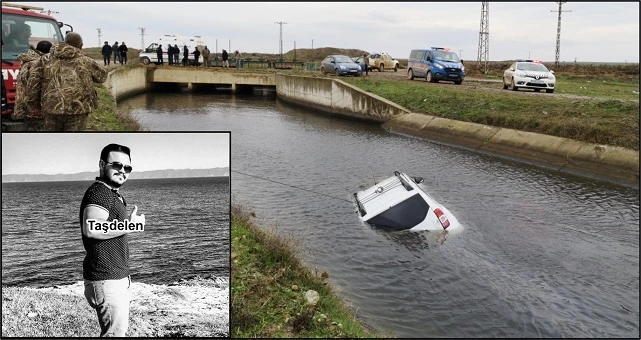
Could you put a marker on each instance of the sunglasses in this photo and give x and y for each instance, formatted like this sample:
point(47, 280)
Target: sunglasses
point(119, 166)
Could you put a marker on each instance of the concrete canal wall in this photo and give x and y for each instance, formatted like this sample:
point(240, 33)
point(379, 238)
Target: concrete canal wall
point(334, 96)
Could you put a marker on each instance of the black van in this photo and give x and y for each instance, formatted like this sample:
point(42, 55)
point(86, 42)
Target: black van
point(435, 64)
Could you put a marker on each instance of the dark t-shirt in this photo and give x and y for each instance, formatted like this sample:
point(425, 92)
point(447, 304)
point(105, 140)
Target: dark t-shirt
point(105, 259)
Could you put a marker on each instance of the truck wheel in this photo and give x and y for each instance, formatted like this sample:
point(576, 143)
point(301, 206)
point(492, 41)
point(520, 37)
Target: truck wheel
point(145, 61)
point(428, 77)
point(381, 68)
point(410, 74)
point(395, 67)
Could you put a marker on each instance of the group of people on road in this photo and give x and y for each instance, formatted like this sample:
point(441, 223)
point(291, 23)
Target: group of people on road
point(173, 55)
point(119, 53)
point(55, 86)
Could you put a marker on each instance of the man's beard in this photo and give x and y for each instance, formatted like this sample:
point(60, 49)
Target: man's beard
point(110, 182)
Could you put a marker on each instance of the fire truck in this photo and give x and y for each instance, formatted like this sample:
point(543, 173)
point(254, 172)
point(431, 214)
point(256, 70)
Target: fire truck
point(23, 27)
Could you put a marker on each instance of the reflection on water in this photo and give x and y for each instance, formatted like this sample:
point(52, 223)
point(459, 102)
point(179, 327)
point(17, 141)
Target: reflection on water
point(538, 257)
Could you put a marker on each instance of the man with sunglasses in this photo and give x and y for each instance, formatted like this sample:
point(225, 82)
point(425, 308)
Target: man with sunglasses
point(106, 265)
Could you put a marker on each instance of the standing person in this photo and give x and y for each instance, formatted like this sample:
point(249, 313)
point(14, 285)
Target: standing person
point(114, 48)
point(176, 54)
point(123, 52)
point(106, 53)
point(185, 56)
point(170, 54)
point(159, 54)
point(225, 58)
point(105, 269)
point(196, 56)
point(206, 55)
point(61, 85)
point(366, 61)
point(34, 120)
point(237, 55)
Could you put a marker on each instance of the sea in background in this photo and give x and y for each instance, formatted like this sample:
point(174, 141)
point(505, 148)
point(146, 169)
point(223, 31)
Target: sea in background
point(186, 231)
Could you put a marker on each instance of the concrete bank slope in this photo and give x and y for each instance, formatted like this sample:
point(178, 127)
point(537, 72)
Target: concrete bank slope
point(334, 96)
point(563, 154)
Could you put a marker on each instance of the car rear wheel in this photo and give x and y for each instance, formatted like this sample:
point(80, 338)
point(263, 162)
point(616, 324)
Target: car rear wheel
point(428, 77)
point(549, 90)
point(395, 67)
point(381, 68)
point(514, 87)
point(410, 74)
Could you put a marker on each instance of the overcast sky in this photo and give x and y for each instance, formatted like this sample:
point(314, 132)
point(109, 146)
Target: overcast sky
point(592, 31)
point(68, 153)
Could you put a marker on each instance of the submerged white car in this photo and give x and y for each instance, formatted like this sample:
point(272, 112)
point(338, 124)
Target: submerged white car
point(529, 74)
point(398, 203)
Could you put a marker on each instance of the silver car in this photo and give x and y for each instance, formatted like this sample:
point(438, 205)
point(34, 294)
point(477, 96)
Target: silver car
point(529, 74)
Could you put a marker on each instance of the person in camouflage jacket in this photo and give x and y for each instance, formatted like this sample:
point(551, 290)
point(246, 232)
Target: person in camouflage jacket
point(34, 120)
point(62, 85)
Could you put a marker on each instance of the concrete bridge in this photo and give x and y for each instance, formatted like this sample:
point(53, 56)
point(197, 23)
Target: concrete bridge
point(127, 82)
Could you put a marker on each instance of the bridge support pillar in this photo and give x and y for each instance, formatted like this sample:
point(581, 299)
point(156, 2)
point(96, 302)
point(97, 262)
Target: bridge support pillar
point(190, 86)
point(233, 88)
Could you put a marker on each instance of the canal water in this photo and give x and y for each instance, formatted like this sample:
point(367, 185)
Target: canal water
point(541, 254)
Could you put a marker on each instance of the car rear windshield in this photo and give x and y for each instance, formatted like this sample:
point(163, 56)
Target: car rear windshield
point(404, 215)
point(531, 67)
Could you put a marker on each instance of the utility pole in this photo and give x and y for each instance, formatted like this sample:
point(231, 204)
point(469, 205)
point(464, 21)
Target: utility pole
point(142, 38)
point(99, 37)
point(557, 54)
point(460, 54)
point(484, 35)
point(281, 39)
point(294, 50)
point(312, 44)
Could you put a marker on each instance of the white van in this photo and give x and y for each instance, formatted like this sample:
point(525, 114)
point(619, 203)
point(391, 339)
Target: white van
point(149, 55)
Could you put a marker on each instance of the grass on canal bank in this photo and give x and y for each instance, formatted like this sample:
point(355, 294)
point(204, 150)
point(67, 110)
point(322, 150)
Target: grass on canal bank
point(269, 285)
point(106, 118)
point(610, 122)
point(196, 307)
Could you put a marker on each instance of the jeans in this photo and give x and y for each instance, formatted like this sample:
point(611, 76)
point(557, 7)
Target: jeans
point(110, 299)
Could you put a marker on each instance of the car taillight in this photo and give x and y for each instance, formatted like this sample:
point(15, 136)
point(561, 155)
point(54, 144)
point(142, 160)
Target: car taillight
point(442, 218)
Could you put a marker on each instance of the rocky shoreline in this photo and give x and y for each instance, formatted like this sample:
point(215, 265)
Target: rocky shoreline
point(196, 307)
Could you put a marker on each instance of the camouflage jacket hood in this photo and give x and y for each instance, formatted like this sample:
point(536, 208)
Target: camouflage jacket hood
point(63, 82)
point(31, 55)
point(65, 51)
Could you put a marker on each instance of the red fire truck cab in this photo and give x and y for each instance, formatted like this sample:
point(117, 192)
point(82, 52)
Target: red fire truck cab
point(22, 26)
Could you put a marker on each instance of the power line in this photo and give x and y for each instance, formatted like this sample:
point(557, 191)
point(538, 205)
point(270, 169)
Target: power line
point(557, 53)
point(484, 36)
point(292, 186)
point(281, 39)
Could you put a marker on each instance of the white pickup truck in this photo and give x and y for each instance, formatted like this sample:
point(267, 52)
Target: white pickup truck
point(382, 61)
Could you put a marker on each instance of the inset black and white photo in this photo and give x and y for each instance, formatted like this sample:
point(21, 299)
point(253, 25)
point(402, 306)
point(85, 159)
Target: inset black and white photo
point(115, 234)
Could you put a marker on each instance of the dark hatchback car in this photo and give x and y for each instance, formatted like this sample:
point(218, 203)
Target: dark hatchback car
point(340, 65)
